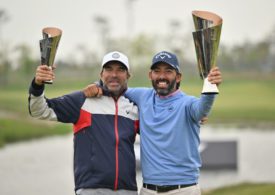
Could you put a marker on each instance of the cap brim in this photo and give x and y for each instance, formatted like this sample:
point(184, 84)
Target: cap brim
point(115, 61)
point(156, 63)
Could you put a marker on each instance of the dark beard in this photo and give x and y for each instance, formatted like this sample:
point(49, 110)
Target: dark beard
point(164, 92)
point(107, 92)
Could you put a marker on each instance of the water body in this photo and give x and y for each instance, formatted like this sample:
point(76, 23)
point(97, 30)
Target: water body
point(256, 159)
point(45, 166)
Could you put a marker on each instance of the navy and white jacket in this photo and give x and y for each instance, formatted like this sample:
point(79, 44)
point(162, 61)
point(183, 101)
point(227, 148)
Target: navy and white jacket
point(104, 136)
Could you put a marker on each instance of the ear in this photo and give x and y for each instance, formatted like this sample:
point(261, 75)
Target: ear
point(128, 75)
point(178, 77)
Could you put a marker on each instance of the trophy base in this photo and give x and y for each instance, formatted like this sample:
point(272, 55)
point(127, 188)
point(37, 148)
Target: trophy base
point(48, 82)
point(209, 88)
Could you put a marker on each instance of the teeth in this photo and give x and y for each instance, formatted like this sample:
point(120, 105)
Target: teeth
point(113, 82)
point(162, 83)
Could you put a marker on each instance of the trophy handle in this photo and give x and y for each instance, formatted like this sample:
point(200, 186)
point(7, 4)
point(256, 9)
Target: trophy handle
point(209, 88)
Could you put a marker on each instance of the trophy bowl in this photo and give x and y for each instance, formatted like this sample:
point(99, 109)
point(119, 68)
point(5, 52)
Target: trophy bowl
point(208, 27)
point(48, 46)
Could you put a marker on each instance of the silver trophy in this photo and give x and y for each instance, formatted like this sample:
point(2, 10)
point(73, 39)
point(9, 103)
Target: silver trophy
point(48, 46)
point(206, 38)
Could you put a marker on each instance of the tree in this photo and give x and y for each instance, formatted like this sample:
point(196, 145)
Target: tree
point(4, 60)
point(27, 64)
point(3, 19)
point(102, 25)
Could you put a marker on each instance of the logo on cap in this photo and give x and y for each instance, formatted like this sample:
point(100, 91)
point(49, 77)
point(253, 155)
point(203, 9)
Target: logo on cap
point(167, 58)
point(115, 55)
point(162, 55)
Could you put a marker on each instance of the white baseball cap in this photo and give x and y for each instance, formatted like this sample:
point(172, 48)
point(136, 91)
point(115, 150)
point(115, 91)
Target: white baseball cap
point(116, 56)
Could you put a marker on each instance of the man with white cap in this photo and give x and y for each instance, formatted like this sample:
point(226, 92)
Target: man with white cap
point(104, 128)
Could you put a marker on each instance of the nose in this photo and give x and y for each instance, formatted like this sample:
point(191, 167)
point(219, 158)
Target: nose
point(114, 73)
point(162, 75)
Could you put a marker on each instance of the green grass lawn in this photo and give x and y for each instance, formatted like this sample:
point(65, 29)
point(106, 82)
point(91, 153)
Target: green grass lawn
point(247, 101)
point(18, 129)
point(244, 189)
point(241, 101)
point(244, 101)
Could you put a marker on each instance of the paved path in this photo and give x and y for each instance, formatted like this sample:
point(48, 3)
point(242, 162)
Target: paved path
point(41, 167)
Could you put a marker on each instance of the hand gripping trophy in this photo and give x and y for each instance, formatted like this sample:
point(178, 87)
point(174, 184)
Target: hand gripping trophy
point(206, 38)
point(48, 46)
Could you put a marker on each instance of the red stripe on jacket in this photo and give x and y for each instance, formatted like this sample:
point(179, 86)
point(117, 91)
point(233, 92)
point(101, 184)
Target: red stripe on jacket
point(85, 120)
point(117, 142)
point(137, 126)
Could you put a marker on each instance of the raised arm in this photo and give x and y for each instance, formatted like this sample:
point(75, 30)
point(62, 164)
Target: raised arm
point(202, 107)
point(64, 109)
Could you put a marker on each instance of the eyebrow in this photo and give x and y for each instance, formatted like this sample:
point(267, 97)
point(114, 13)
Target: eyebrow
point(167, 67)
point(121, 66)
